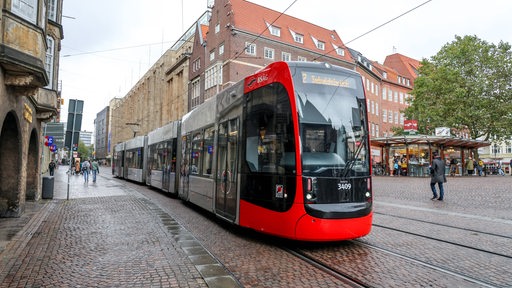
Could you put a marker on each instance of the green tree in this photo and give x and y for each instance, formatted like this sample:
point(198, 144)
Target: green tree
point(467, 87)
point(84, 151)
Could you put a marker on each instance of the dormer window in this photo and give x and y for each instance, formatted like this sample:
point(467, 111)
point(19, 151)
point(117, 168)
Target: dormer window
point(340, 51)
point(297, 37)
point(384, 75)
point(276, 31)
point(320, 45)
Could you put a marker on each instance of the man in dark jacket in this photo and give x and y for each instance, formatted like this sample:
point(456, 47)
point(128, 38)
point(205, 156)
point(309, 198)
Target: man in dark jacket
point(437, 176)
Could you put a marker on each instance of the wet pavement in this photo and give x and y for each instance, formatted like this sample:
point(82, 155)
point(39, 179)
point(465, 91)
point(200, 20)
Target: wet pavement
point(114, 233)
point(106, 235)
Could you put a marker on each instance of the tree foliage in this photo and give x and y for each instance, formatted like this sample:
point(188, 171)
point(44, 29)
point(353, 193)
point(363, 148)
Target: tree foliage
point(84, 151)
point(467, 87)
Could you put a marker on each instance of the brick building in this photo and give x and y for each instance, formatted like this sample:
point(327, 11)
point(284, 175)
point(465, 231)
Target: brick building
point(243, 37)
point(29, 51)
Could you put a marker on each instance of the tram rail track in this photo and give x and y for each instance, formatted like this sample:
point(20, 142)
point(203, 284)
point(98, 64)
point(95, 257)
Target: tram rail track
point(353, 281)
point(444, 225)
point(350, 280)
point(428, 265)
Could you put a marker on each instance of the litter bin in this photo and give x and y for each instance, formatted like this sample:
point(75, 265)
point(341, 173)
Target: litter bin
point(47, 187)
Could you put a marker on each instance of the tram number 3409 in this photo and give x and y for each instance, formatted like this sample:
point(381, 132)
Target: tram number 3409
point(344, 185)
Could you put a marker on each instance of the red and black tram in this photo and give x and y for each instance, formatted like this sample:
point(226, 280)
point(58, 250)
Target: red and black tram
point(285, 152)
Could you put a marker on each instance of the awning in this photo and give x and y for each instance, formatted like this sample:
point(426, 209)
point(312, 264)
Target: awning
point(445, 141)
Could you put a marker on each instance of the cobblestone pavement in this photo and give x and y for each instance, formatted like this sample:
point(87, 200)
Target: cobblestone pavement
point(106, 235)
point(118, 234)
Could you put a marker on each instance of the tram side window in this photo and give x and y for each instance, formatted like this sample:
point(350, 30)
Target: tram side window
point(134, 158)
point(209, 135)
point(195, 160)
point(270, 142)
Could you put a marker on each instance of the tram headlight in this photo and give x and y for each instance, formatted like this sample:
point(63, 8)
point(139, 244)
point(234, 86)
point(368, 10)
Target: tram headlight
point(368, 194)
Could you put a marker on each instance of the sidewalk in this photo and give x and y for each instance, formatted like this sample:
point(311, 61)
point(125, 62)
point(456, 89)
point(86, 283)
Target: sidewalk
point(106, 235)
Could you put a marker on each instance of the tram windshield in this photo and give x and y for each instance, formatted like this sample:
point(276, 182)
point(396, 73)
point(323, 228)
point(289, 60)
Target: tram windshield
point(333, 131)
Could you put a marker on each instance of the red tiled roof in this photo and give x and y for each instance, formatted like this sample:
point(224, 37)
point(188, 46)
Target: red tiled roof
point(253, 18)
point(404, 65)
point(204, 31)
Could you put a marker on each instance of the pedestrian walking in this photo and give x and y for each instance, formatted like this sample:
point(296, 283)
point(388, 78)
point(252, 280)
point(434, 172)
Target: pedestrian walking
point(95, 167)
point(480, 167)
point(470, 166)
point(86, 166)
point(437, 175)
point(51, 167)
point(500, 169)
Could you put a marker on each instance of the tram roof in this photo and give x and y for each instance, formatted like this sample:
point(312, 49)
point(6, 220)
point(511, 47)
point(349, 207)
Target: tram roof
point(429, 139)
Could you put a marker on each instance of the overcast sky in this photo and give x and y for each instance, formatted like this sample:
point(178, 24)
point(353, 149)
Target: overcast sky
point(108, 45)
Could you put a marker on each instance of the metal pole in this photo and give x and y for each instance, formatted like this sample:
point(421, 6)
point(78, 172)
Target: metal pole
point(71, 146)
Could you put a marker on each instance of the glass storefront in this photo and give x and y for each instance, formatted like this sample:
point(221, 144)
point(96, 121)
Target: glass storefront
point(411, 155)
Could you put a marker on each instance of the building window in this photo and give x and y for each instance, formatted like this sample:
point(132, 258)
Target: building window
point(377, 109)
point(196, 65)
point(221, 49)
point(384, 75)
point(250, 48)
point(217, 28)
point(390, 116)
point(401, 98)
point(212, 55)
point(396, 97)
point(396, 118)
point(196, 92)
point(377, 130)
point(276, 31)
point(213, 76)
point(52, 10)
point(302, 59)
point(26, 9)
point(299, 38)
point(321, 45)
point(384, 115)
point(285, 56)
point(340, 51)
point(384, 93)
point(49, 61)
point(268, 53)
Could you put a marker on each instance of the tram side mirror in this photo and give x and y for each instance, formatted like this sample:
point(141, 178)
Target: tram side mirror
point(356, 120)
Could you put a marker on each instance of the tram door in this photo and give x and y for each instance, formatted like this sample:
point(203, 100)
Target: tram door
point(226, 196)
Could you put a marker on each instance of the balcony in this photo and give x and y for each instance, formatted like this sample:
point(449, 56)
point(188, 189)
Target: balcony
point(22, 57)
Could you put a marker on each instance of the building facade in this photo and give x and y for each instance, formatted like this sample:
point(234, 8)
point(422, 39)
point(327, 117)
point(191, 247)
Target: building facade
point(159, 97)
point(101, 140)
point(86, 137)
point(29, 52)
